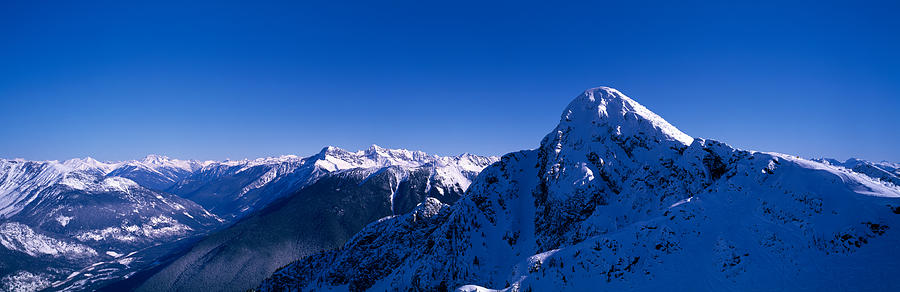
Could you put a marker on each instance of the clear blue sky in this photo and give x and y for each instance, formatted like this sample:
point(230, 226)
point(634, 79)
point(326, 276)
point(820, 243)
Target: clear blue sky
point(225, 79)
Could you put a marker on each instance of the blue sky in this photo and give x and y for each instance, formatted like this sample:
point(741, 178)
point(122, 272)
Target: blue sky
point(221, 79)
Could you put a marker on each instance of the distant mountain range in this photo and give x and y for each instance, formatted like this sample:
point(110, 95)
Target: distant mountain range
point(81, 224)
point(321, 216)
point(616, 198)
point(57, 218)
point(884, 171)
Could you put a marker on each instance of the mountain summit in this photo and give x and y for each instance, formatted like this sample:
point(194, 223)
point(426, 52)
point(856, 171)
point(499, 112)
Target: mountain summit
point(612, 113)
point(616, 198)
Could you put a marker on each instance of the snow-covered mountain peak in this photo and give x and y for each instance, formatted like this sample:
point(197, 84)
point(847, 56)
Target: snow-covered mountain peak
point(374, 149)
point(250, 163)
point(154, 161)
point(392, 156)
point(609, 108)
point(89, 164)
point(333, 158)
point(275, 159)
point(604, 135)
point(457, 169)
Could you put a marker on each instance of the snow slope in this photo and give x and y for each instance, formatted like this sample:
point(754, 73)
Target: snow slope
point(884, 171)
point(616, 198)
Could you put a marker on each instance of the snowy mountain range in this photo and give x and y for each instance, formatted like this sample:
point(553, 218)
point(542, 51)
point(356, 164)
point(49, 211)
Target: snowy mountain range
point(884, 171)
point(616, 198)
point(57, 218)
point(321, 216)
point(234, 188)
point(82, 223)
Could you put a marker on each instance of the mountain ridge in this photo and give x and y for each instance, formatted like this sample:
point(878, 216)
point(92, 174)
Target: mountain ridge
point(354, 189)
point(39, 201)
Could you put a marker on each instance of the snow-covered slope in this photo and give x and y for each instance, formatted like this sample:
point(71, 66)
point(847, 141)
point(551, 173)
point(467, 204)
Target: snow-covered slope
point(22, 181)
point(884, 171)
point(157, 172)
point(616, 198)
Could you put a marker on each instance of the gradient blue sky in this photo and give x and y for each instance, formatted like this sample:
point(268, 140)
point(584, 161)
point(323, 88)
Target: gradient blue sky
point(222, 79)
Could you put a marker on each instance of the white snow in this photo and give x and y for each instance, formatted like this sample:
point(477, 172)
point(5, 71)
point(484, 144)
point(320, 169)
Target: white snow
point(63, 220)
point(24, 281)
point(118, 184)
point(604, 105)
point(125, 261)
point(20, 237)
point(157, 227)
